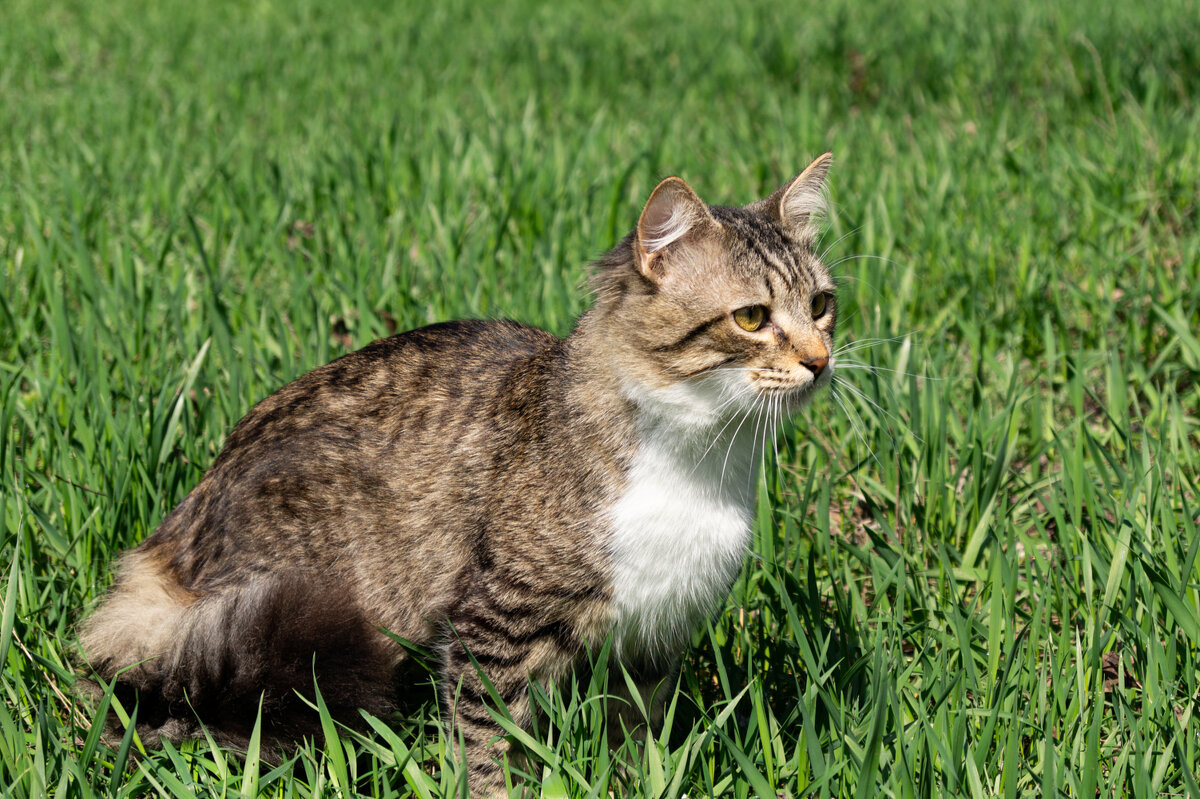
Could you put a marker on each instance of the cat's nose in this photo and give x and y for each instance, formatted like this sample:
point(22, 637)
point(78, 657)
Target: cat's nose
point(815, 364)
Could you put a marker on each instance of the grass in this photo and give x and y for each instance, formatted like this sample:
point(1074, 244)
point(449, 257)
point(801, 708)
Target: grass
point(979, 577)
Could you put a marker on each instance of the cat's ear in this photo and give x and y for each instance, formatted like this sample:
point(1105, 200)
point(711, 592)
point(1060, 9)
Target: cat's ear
point(801, 205)
point(672, 212)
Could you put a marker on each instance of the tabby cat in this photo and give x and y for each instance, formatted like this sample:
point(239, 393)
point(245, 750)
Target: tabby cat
point(486, 488)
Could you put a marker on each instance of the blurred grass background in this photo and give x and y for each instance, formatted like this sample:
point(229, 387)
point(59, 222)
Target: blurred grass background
point(976, 577)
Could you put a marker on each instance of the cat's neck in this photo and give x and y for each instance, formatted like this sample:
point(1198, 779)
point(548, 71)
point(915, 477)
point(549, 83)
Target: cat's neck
point(681, 523)
point(690, 413)
point(714, 443)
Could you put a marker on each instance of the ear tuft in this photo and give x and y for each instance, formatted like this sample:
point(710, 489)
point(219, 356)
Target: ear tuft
point(673, 211)
point(802, 205)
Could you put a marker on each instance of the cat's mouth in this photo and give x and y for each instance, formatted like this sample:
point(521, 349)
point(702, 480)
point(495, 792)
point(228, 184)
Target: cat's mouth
point(794, 387)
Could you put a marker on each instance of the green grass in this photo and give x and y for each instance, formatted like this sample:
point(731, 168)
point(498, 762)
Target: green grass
point(979, 579)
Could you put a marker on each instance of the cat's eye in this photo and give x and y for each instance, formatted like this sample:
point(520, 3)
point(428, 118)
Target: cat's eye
point(818, 304)
point(751, 317)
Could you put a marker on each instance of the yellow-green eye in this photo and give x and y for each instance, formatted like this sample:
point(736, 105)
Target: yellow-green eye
point(751, 317)
point(817, 305)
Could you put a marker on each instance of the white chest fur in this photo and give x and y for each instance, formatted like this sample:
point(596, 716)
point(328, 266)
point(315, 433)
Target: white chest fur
point(679, 536)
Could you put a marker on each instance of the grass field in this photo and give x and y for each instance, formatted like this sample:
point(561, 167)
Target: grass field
point(977, 575)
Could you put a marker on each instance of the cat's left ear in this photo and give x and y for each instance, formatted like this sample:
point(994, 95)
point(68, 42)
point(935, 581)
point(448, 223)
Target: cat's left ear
point(673, 212)
point(801, 205)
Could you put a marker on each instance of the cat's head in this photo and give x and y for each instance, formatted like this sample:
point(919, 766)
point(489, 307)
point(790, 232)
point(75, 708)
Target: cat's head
point(712, 311)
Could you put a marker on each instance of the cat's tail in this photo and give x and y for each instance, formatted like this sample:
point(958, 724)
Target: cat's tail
point(187, 659)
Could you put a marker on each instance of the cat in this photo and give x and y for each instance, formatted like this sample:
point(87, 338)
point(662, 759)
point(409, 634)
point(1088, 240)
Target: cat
point(488, 490)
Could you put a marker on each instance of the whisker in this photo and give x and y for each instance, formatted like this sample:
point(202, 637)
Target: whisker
point(733, 439)
point(770, 428)
point(833, 392)
point(844, 259)
point(717, 437)
point(860, 343)
point(759, 461)
point(778, 415)
point(872, 368)
point(862, 396)
point(897, 421)
point(839, 240)
point(856, 423)
point(755, 450)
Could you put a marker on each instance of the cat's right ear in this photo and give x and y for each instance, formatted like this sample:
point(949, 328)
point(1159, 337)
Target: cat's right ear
point(673, 212)
point(801, 204)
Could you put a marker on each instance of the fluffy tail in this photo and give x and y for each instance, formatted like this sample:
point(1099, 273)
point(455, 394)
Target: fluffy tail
point(188, 659)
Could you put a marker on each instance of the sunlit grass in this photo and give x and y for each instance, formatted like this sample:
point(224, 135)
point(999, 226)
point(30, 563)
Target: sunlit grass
point(975, 570)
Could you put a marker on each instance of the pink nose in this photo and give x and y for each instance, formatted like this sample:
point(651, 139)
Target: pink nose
point(815, 365)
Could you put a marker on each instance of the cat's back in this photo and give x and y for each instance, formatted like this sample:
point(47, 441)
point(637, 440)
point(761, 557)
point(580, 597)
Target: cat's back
point(389, 393)
point(385, 439)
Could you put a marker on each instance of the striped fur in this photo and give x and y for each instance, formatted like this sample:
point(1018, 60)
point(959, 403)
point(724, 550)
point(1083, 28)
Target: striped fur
point(503, 496)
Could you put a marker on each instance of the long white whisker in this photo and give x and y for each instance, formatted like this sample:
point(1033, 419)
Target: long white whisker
point(772, 430)
point(717, 437)
point(843, 260)
point(842, 364)
point(862, 396)
point(756, 451)
point(732, 440)
point(778, 416)
point(754, 438)
point(856, 423)
point(857, 344)
point(839, 240)
point(734, 396)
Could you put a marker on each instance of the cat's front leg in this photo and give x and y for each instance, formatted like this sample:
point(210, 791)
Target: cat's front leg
point(509, 658)
point(476, 737)
point(654, 685)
